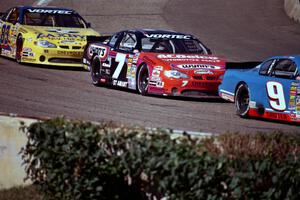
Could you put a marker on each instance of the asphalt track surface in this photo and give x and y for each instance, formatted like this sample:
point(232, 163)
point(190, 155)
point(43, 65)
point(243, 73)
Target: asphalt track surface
point(240, 30)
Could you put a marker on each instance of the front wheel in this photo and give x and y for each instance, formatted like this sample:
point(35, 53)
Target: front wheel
point(96, 71)
point(19, 48)
point(143, 80)
point(242, 99)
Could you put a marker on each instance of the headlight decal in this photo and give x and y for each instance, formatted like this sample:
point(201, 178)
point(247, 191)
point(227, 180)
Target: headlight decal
point(175, 74)
point(45, 44)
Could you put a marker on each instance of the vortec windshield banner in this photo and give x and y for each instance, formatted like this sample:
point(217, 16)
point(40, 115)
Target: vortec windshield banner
point(50, 11)
point(168, 36)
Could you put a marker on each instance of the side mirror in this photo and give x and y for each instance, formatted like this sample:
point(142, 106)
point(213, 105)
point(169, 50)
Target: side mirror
point(88, 25)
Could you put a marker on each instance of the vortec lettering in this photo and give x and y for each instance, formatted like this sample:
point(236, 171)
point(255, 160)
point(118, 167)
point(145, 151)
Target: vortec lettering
point(50, 11)
point(168, 36)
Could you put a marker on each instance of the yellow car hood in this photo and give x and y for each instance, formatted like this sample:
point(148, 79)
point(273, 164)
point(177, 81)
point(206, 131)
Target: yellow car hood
point(59, 33)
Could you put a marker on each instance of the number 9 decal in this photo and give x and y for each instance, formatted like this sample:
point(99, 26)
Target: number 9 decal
point(276, 96)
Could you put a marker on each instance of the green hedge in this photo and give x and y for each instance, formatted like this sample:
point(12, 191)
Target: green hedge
point(78, 160)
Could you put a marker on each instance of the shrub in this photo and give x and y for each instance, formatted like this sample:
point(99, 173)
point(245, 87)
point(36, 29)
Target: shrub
point(79, 160)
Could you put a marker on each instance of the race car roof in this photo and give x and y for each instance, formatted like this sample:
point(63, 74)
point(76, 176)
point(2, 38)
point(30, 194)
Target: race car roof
point(157, 33)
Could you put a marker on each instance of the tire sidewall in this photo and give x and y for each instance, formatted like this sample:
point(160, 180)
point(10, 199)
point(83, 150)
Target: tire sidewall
point(19, 48)
point(95, 81)
point(242, 113)
point(141, 90)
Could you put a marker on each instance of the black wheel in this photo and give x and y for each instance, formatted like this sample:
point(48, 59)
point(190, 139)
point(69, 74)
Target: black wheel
point(143, 80)
point(242, 99)
point(96, 71)
point(19, 48)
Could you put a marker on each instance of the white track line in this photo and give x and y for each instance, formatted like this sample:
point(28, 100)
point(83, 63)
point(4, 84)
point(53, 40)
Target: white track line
point(41, 3)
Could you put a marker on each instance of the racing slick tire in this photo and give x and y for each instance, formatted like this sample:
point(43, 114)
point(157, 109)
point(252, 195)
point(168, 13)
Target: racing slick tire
point(242, 99)
point(96, 71)
point(143, 80)
point(19, 48)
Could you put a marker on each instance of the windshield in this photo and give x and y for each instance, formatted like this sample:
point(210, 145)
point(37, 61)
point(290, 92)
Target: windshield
point(71, 20)
point(173, 46)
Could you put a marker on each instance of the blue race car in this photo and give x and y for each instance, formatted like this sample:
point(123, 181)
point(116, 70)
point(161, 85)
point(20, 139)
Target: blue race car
point(270, 90)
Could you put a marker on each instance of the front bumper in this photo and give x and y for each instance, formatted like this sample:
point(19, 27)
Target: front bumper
point(55, 56)
point(185, 87)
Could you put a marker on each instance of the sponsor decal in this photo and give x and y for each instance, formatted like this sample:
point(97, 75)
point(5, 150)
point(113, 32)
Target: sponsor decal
point(28, 59)
point(227, 96)
point(159, 84)
point(63, 31)
point(298, 102)
point(131, 75)
point(279, 116)
point(99, 50)
point(159, 68)
point(155, 78)
point(130, 60)
point(69, 42)
point(252, 104)
point(27, 49)
point(156, 73)
point(106, 65)
point(293, 93)
point(168, 36)
point(59, 36)
point(197, 66)
point(50, 11)
point(182, 56)
point(28, 54)
point(203, 71)
point(135, 58)
point(120, 83)
point(70, 53)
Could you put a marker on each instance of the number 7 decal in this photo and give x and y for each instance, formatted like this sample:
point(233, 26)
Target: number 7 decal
point(120, 58)
point(276, 96)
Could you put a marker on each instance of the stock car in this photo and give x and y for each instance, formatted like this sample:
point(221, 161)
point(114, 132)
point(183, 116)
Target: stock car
point(44, 35)
point(271, 90)
point(157, 62)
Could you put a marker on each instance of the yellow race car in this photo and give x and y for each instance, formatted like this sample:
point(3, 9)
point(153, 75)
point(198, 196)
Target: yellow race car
point(44, 35)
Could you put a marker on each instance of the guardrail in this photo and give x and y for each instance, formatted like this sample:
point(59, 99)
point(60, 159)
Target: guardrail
point(292, 8)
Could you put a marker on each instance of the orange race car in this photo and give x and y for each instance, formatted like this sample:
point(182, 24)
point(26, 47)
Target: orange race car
point(155, 62)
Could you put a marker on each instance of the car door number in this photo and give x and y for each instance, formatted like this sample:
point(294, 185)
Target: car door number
point(5, 34)
point(120, 58)
point(276, 96)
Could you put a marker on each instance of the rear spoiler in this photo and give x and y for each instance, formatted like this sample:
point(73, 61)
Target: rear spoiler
point(101, 38)
point(242, 65)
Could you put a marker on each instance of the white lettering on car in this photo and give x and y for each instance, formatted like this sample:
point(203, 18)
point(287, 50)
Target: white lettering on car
point(198, 66)
point(168, 36)
point(50, 11)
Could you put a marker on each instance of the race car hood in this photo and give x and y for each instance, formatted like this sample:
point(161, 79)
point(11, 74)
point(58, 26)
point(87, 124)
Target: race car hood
point(59, 33)
point(189, 63)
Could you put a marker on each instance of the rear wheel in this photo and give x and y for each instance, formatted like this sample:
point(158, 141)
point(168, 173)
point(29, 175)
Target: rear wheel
point(96, 71)
point(19, 48)
point(143, 80)
point(242, 99)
